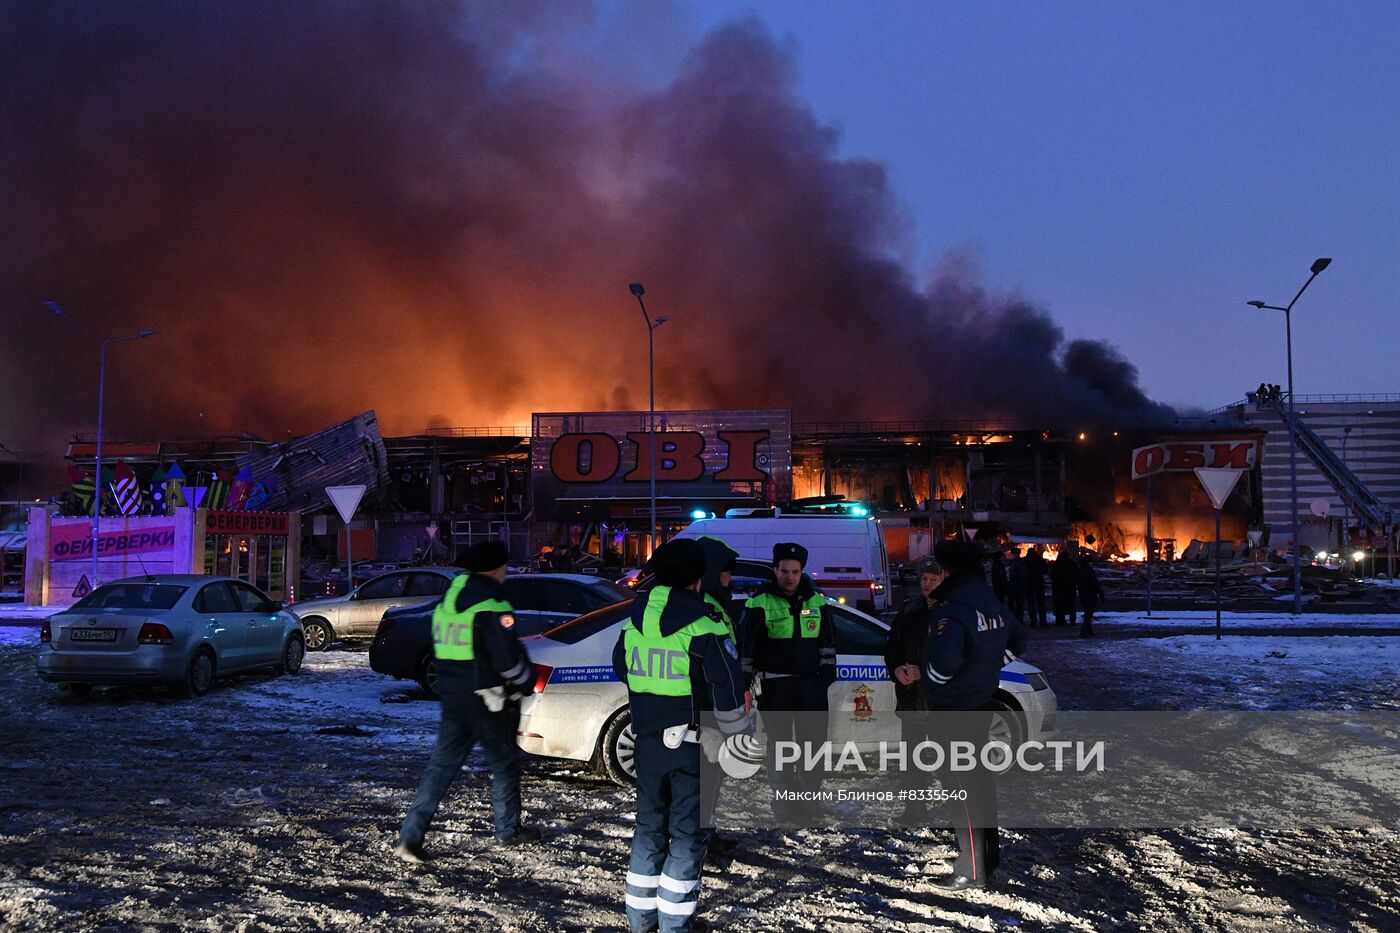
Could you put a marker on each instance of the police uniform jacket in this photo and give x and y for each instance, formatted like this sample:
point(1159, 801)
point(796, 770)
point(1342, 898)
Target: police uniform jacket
point(798, 652)
point(716, 679)
point(501, 660)
point(970, 633)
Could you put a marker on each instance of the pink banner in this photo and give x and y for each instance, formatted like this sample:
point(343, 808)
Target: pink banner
point(74, 542)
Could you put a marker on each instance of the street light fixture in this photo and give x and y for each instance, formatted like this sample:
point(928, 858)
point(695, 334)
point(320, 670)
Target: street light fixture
point(1317, 266)
point(652, 324)
point(102, 344)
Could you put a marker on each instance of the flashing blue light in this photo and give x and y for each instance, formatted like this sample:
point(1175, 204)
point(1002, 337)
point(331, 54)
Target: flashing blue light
point(699, 514)
point(859, 510)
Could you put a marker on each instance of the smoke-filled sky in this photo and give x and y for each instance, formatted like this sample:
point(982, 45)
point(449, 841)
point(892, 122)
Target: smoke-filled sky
point(434, 210)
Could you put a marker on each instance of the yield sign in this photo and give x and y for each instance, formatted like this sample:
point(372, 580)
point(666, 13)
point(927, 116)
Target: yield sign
point(346, 499)
point(1218, 483)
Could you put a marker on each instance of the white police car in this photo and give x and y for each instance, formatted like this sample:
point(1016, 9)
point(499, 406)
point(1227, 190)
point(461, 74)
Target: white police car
point(579, 707)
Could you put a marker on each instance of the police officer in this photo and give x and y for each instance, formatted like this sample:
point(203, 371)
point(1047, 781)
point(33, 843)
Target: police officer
point(904, 654)
point(789, 643)
point(483, 670)
point(677, 659)
point(970, 633)
point(720, 559)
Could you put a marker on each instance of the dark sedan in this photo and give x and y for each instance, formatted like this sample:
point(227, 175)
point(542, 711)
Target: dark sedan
point(403, 645)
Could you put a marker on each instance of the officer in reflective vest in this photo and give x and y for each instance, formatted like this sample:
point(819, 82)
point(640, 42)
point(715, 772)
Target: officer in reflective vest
point(677, 659)
point(789, 644)
point(483, 671)
point(720, 559)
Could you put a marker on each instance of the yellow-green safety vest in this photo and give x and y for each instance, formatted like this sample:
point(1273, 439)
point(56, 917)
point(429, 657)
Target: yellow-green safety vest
point(777, 615)
point(660, 664)
point(723, 614)
point(454, 633)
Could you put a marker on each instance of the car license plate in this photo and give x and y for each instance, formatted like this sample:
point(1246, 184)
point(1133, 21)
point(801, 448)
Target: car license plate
point(92, 634)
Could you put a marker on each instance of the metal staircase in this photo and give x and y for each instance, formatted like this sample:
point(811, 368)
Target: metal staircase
point(1353, 491)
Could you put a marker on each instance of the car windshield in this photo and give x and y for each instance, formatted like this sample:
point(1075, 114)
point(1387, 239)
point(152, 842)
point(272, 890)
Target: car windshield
point(155, 597)
point(576, 630)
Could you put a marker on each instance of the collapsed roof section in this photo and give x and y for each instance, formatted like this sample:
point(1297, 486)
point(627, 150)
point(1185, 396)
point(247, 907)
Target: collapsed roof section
point(298, 471)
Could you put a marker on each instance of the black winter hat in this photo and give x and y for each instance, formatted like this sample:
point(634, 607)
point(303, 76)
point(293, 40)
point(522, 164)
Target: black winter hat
point(678, 563)
point(789, 551)
point(959, 556)
point(484, 556)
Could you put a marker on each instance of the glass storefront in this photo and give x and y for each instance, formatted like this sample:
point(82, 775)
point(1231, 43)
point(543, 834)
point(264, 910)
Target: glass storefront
point(251, 546)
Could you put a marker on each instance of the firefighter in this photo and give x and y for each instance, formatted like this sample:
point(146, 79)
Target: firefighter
point(483, 671)
point(677, 659)
point(970, 633)
point(789, 645)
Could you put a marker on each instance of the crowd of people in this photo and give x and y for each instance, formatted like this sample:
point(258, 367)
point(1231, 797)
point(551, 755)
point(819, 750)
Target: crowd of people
point(692, 671)
point(1019, 580)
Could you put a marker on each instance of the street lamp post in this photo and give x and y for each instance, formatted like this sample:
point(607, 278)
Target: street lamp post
point(102, 344)
point(1287, 310)
point(637, 290)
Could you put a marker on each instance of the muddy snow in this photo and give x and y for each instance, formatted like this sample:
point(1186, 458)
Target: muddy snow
point(271, 804)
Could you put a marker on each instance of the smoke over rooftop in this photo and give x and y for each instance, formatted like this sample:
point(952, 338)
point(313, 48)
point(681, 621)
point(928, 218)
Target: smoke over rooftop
point(328, 207)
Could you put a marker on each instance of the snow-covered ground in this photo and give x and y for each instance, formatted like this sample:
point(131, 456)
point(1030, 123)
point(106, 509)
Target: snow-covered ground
point(1253, 621)
point(271, 804)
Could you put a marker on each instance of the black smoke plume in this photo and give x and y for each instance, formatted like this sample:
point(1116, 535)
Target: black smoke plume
point(415, 207)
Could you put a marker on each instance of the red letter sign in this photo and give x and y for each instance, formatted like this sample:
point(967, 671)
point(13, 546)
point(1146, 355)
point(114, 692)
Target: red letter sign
point(743, 448)
point(678, 451)
point(566, 458)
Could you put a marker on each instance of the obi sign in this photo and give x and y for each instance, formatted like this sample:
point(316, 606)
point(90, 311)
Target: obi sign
point(1189, 454)
point(742, 456)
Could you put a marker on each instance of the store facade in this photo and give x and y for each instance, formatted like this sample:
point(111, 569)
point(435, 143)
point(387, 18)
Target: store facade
point(259, 547)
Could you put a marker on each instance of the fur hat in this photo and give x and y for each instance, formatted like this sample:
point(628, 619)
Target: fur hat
point(959, 556)
point(484, 556)
point(789, 551)
point(678, 563)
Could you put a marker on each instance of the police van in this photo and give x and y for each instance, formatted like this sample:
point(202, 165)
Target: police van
point(846, 555)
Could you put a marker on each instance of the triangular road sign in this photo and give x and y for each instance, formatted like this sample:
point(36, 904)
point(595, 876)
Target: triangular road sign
point(1218, 483)
point(83, 588)
point(346, 499)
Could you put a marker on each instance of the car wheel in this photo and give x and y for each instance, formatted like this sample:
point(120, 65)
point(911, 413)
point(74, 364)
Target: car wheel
point(293, 652)
point(319, 636)
point(79, 690)
point(428, 674)
point(199, 675)
point(618, 751)
point(1008, 724)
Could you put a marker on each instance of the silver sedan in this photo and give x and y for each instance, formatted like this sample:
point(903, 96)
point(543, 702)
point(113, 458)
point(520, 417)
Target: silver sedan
point(357, 613)
point(171, 630)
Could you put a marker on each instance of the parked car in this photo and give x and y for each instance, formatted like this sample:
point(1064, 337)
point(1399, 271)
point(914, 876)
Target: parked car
point(403, 646)
point(579, 707)
point(357, 614)
point(174, 630)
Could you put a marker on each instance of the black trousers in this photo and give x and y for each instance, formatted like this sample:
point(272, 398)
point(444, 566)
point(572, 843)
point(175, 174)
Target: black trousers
point(1089, 609)
point(1016, 602)
point(1035, 603)
point(1064, 607)
point(974, 815)
point(790, 707)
